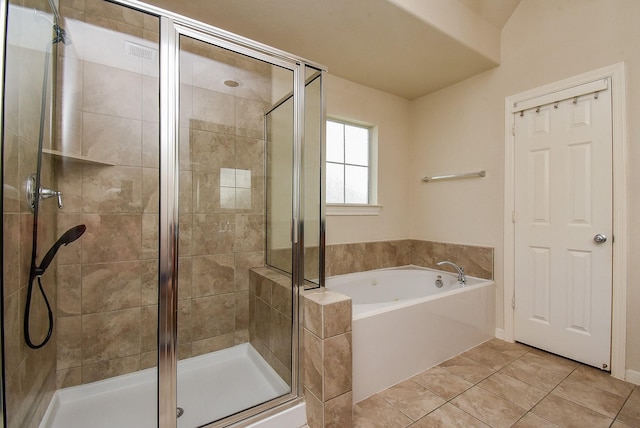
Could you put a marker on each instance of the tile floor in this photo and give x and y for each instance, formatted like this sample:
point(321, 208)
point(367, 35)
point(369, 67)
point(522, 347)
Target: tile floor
point(500, 384)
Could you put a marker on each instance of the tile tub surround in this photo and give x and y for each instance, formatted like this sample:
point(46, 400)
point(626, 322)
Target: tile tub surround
point(326, 363)
point(327, 358)
point(358, 257)
point(500, 384)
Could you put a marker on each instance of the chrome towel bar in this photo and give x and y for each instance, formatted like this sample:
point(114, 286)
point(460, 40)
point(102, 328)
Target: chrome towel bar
point(450, 176)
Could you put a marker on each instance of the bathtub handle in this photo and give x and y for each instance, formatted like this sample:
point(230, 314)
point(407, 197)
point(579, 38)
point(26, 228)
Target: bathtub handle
point(439, 282)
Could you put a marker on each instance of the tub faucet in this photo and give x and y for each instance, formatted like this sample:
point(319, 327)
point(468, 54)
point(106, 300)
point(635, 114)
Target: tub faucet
point(462, 279)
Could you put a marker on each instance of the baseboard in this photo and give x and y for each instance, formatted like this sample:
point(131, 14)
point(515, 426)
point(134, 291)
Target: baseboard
point(500, 333)
point(632, 376)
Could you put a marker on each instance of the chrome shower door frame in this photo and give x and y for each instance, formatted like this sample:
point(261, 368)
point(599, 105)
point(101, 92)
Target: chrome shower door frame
point(172, 26)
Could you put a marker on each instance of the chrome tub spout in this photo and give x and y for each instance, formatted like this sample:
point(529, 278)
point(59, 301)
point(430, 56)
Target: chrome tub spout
point(462, 279)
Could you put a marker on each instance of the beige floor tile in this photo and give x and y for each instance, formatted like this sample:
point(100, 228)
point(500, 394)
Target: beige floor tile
point(443, 383)
point(560, 393)
point(488, 407)
point(603, 380)
point(618, 424)
point(568, 414)
point(603, 402)
point(466, 368)
point(449, 416)
point(513, 390)
point(630, 413)
point(535, 376)
point(489, 356)
point(531, 420)
point(547, 361)
point(376, 412)
point(503, 346)
point(412, 399)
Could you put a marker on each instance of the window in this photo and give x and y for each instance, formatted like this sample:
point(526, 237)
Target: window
point(348, 163)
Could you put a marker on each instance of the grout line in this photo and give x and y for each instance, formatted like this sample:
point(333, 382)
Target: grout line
point(622, 407)
point(551, 391)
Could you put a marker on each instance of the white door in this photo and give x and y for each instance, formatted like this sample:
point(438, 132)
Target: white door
point(563, 203)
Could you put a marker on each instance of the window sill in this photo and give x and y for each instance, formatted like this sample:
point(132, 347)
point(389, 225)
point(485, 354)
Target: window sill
point(352, 209)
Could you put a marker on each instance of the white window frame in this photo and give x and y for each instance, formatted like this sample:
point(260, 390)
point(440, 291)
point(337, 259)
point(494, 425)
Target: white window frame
point(372, 207)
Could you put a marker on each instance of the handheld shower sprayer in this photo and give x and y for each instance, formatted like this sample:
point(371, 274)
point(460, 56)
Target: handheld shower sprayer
point(67, 238)
point(36, 273)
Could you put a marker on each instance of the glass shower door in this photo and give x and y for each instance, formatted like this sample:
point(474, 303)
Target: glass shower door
point(234, 337)
point(81, 110)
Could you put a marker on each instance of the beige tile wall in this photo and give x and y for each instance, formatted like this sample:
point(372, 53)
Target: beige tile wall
point(107, 304)
point(325, 334)
point(270, 318)
point(363, 256)
point(327, 358)
point(29, 374)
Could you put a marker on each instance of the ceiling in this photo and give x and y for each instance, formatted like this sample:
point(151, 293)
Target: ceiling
point(409, 48)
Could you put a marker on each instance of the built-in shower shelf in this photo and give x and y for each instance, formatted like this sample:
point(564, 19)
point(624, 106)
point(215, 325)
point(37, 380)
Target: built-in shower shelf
point(76, 158)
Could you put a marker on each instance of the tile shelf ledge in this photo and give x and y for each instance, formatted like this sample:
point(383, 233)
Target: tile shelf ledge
point(77, 158)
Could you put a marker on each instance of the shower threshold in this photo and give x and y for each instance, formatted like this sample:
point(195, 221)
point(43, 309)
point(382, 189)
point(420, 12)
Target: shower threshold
point(210, 387)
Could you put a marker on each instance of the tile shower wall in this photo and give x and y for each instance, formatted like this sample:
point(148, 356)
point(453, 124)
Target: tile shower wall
point(325, 334)
point(109, 121)
point(29, 374)
point(270, 318)
point(107, 300)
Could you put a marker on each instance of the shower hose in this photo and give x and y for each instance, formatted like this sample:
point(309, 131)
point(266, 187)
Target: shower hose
point(33, 271)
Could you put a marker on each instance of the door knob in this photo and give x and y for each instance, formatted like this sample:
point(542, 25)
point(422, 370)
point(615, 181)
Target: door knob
point(600, 238)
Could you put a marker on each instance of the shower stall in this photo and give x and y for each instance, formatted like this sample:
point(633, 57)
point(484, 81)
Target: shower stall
point(150, 165)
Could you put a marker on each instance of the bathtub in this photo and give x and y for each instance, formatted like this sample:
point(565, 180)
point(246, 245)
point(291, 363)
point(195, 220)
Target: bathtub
point(404, 324)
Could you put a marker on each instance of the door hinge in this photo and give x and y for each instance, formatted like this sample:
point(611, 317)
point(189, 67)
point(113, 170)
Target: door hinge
point(513, 129)
point(513, 302)
point(513, 216)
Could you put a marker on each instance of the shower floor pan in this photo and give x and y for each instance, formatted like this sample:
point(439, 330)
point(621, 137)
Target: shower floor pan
point(210, 387)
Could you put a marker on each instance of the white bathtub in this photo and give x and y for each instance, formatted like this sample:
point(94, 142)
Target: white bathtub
point(403, 324)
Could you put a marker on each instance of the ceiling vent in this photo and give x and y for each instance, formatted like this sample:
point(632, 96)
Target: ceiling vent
point(140, 51)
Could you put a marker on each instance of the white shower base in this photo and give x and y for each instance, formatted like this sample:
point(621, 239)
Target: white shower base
point(210, 387)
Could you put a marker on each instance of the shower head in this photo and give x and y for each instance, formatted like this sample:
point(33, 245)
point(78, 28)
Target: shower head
point(67, 238)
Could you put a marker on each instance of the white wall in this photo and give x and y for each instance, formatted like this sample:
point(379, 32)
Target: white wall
point(348, 100)
point(461, 128)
